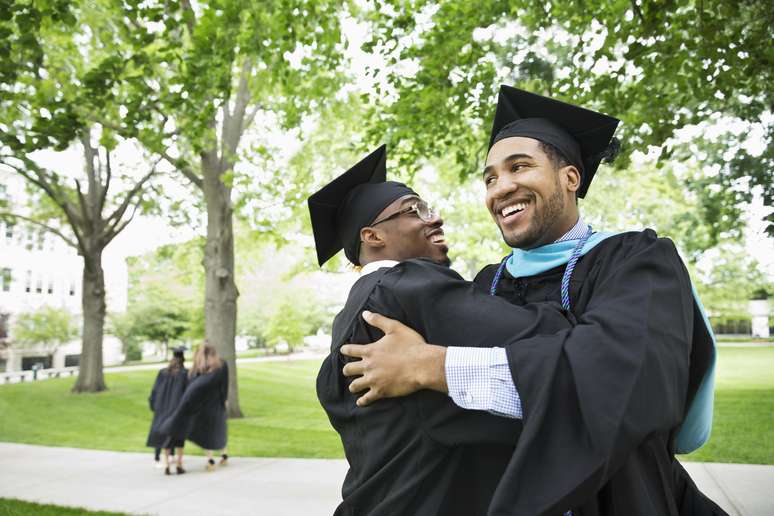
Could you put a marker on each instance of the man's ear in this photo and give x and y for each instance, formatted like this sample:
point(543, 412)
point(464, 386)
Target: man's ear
point(572, 177)
point(371, 238)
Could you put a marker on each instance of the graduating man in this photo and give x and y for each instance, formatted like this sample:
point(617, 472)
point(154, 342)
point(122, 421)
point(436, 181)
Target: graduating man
point(603, 403)
point(420, 454)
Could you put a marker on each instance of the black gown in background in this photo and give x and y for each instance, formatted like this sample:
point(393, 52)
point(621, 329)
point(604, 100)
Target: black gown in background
point(603, 400)
point(421, 454)
point(165, 397)
point(201, 415)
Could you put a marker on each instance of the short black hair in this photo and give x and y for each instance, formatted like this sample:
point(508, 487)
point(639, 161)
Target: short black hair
point(555, 156)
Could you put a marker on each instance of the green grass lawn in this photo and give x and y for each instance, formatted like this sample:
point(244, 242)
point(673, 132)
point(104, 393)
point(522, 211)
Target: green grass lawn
point(743, 426)
point(12, 507)
point(284, 418)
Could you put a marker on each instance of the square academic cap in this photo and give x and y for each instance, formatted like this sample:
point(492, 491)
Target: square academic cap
point(583, 136)
point(351, 202)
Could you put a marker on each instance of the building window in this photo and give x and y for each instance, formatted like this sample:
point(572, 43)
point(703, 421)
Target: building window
point(28, 282)
point(30, 239)
point(50, 288)
point(39, 285)
point(41, 239)
point(5, 279)
point(72, 287)
point(4, 325)
point(9, 233)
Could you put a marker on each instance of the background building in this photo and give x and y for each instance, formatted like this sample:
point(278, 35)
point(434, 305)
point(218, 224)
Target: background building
point(37, 269)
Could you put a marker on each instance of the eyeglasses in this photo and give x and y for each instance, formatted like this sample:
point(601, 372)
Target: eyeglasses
point(421, 208)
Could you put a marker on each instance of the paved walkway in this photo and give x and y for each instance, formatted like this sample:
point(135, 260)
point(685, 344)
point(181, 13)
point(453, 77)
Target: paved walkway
point(128, 482)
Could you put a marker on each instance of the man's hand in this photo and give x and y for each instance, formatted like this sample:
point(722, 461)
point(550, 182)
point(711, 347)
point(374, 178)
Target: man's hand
point(399, 363)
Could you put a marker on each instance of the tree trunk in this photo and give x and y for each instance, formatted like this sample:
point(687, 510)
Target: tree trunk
point(90, 376)
point(220, 291)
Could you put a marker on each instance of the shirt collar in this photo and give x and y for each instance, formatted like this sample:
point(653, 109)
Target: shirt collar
point(577, 231)
point(374, 266)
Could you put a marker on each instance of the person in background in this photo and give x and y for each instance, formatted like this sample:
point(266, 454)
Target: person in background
point(168, 389)
point(201, 415)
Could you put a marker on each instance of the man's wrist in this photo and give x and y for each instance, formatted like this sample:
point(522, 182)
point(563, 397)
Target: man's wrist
point(431, 368)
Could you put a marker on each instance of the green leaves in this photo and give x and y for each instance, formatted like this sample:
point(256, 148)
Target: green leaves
point(659, 66)
point(47, 325)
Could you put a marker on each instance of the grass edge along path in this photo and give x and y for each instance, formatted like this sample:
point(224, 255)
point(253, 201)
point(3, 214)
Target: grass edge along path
point(286, 420)
point(14, 507)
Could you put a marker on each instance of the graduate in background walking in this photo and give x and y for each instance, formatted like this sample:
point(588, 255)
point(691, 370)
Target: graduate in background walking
point(165, 397)
point(201, 415)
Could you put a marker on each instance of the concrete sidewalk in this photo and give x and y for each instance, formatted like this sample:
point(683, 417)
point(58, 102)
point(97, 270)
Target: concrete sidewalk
point(128, 482)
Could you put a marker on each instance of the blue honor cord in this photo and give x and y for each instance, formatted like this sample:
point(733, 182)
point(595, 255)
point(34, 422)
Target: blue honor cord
point(565, 288)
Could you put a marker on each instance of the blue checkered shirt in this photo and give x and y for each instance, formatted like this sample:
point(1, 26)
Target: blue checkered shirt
point(480, 379)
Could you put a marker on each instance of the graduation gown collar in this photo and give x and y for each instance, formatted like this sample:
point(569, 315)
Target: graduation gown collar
point(522, 263)
point(374, 266)
point(697, 425)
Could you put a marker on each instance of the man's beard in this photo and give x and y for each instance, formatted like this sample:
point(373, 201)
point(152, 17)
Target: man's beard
point(541, 223)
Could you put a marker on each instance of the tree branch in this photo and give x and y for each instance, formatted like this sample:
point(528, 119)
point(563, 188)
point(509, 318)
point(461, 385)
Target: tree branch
point(233, 124)
point(637, 10)
point(108, 177)
point(120, 227)
point(185, 170)
point(191, 19)
point(52, 190)
point(48, 228)
point(113, 221)
point(251, 116)
point(93, 192)
point(82, 204)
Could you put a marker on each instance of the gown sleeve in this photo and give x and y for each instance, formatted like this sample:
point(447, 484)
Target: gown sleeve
point(152, 397)
point(592, 393)
point(444, 308)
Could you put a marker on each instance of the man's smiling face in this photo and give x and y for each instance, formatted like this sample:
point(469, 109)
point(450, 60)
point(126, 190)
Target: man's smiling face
point(408, 236)
point(527, 194)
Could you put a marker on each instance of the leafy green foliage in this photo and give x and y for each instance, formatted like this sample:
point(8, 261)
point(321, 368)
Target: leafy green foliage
point(165, 294)
point(295, 317)
point(47, 325)
point(122, 326)
point(730, 280)
point(659, 66)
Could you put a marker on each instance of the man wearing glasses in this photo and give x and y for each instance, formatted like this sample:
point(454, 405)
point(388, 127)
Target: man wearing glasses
point(419, 454)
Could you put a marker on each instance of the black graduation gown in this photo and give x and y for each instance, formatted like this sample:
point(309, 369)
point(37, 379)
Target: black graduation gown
point(201, 415)
point(603, 400)
point(165, 396)
point(421, 454)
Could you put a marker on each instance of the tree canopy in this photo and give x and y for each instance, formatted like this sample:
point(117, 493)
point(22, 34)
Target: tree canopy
point(47, 326)
point(660, 66)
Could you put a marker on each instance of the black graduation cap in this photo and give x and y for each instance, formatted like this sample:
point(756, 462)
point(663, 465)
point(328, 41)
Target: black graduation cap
point(351, 202)
point(178, 351)
point(585, 137)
